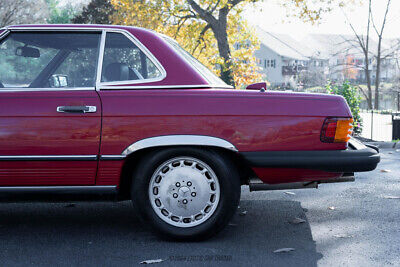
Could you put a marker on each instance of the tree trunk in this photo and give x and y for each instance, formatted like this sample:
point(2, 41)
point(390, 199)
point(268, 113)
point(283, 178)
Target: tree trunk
point(368, 78)
point(218, 27)
point(378, 74)
point(224, 52)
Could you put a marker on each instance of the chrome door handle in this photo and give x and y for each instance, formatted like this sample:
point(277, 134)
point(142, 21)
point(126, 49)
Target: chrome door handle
point(76, 109)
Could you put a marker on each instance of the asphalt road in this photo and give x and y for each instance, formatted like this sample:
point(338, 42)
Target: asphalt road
point(363, 229)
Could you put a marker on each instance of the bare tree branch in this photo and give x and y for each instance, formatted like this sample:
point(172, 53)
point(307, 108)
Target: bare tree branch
point(201, 37)
point(22, 11)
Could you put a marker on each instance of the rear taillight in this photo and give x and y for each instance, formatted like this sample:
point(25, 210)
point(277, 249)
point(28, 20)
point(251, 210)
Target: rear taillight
point(337, 130)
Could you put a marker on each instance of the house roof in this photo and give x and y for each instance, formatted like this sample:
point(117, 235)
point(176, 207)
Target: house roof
point(328, 45)
point(283, 45)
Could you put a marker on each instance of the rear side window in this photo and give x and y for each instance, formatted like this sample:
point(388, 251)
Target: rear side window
point(49, 59)
point(124, 61)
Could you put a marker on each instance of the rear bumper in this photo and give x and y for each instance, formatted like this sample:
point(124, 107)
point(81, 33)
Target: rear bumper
point(357, 158)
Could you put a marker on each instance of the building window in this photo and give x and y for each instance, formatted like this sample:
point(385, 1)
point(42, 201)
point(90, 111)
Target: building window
point(273, 63)
point(265, 63)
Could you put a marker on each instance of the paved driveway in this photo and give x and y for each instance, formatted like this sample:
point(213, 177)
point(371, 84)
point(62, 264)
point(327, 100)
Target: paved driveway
point(363, 229)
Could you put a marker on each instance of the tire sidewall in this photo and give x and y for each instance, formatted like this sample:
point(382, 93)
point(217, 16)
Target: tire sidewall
point(229, 191)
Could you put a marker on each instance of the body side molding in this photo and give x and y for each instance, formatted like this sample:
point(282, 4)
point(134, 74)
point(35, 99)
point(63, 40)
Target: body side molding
point(73, 189)
point(50, 158)
point(58, 193)
point(179, 140)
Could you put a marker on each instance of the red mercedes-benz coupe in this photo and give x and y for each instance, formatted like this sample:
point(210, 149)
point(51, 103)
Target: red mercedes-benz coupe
point(112, 112)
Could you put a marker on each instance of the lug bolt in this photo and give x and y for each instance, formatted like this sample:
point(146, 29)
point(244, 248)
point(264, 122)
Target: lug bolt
point(178, 184)
point(175, 195)
point(184, 201)
point(193, 194)
point(189, 183)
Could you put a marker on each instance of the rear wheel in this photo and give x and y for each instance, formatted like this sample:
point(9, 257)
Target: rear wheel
point(186, 193)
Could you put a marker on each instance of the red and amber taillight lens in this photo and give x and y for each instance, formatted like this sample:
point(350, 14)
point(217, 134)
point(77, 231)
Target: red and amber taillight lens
point(337, 130)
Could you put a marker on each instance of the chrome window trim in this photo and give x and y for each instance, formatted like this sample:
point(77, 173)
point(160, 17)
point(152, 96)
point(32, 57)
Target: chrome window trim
point(189, 63)
point(144, 49)
point(183, 58)
point(59, 89)
point(25, 89)
point(100, 58)
point(128, 87)
point(13, 28)
point(122, 85)
point(99, 28)
point(179, 140)
point(4, 34)
point(49, 158)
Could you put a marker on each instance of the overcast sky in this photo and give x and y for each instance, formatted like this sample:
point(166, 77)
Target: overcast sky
point(272, 17)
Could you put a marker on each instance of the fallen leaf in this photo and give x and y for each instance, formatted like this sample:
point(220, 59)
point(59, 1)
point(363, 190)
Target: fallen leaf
point(243, 213)
point(72, 205)
point(391, 197)
point(289, 193)
point(151, 261)
point(305, 209)
point(297, 221)
point(385, 170)
point(390, 152)
point(342, 236)
point(283, 250)
point(331, 208)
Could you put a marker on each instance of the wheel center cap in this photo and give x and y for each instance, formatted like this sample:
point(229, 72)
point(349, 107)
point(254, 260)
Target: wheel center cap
point(184, 191)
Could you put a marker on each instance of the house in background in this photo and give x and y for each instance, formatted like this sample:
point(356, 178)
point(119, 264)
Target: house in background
point(282, 59)
point(291, 63)
point(279, 61)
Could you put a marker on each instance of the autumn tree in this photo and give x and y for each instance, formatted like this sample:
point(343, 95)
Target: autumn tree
point(213, 31)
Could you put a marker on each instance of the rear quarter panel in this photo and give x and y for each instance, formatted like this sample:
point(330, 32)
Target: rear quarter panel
point(252, 121)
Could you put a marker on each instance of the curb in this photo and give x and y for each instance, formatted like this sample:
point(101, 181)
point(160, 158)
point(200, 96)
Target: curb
point(384, 144)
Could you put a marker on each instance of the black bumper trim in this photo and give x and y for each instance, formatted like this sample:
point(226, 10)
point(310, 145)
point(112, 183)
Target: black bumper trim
point(349, 160)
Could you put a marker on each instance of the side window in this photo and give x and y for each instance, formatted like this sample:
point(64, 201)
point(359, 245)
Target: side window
point(79, 68)
point(20, 63)
point(124, 61)
point(49, 59)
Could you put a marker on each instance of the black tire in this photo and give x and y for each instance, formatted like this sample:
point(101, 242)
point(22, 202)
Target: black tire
point(229, 186)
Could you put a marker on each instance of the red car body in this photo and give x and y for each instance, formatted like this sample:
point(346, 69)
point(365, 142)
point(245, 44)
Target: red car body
point(42, 147)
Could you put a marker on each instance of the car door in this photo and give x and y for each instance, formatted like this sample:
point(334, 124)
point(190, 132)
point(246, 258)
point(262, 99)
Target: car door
point(50, 112)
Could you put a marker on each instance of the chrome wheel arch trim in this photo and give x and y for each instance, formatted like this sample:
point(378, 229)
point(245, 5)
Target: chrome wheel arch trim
point(179, 140)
